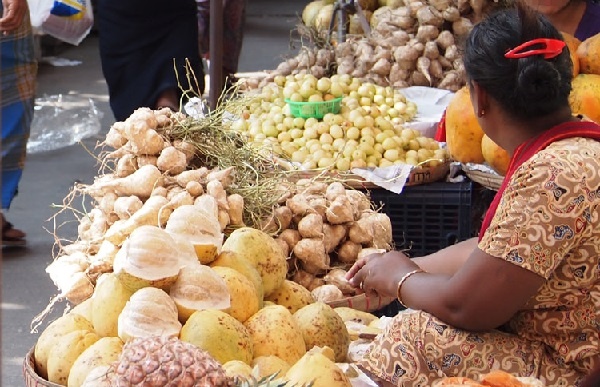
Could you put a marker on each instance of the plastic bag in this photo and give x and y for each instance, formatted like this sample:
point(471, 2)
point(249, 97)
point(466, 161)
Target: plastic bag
point(62, 120)
point(66, 20)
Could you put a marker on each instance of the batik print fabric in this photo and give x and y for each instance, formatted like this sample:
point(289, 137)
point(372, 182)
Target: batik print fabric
point(18, 69)
point(548, 222)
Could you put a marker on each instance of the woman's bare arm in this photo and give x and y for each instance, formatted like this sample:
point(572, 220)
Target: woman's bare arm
point(485, 293)
point(448, 260)
point(480, 294)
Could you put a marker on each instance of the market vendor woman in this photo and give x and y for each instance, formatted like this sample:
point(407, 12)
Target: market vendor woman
point(580, 18)
point(524, 296)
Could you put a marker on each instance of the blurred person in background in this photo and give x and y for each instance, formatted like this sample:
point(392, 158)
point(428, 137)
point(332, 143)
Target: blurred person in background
point(18, 73)
point(580, 18)
point(144, 45)
point(234, 18)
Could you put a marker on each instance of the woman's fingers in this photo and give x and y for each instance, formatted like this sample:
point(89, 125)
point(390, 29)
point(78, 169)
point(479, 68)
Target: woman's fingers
point(358, 273)
point(355, 268)
point(358, 278)
point(359, 264)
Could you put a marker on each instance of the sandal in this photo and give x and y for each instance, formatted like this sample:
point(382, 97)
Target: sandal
point(11, 240)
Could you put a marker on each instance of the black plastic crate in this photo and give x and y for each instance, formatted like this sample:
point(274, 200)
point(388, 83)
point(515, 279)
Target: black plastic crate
point(426, 218)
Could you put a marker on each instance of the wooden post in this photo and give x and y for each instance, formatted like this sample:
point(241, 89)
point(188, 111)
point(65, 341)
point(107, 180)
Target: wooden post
point(215, 70)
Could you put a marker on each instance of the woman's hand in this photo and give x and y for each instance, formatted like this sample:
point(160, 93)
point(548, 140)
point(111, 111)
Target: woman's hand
point(379, 273)
point(12, 17)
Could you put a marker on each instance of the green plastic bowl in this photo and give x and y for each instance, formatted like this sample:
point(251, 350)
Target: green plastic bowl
point(314, 109)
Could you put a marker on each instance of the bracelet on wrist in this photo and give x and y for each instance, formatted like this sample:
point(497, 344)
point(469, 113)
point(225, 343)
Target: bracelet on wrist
point(401, 282)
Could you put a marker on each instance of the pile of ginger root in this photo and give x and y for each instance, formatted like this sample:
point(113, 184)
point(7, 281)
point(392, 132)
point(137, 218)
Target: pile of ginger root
point(324, 227)
point(414, 43)
point(146, 176)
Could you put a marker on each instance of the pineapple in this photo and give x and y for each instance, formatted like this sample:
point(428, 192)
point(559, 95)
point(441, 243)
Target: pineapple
point(267, 381)
point(162, 361)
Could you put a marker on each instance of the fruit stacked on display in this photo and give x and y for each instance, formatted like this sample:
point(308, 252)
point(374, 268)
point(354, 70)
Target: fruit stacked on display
point(206, 322)
point(178, 256)
point(367, 132)
point(585, 96)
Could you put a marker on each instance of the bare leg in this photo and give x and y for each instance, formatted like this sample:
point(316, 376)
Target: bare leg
point(10, 232)
point(168, 98)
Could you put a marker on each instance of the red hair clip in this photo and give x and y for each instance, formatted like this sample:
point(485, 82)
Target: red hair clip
point(552, 48)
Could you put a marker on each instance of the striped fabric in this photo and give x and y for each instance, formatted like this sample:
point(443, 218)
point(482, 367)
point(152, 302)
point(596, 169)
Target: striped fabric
point(18, 70)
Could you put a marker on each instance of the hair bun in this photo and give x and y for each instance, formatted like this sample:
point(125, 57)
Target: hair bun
point(537, 80)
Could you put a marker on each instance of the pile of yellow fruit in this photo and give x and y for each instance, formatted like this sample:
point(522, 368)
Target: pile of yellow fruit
point(368, 132)
point(238, 307)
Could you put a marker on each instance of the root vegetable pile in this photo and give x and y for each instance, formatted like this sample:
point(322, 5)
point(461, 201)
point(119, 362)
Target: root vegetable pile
point(326, 227)
point(161, 174)
point(412, 43)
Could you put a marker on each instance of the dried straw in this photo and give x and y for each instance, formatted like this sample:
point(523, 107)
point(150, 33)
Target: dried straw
point(258, 177)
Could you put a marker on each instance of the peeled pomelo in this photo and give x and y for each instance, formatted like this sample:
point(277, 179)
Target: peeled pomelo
point(199, 287)
point(149, 312)
point(199, 227)
point(149, 257)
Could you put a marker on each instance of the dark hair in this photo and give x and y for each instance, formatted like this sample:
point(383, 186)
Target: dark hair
point(527, 87)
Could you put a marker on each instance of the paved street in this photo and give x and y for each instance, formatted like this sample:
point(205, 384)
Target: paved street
point(49, 176)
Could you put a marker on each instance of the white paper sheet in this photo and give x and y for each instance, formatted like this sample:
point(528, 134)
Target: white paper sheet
point(431, 103)
point(392, 178)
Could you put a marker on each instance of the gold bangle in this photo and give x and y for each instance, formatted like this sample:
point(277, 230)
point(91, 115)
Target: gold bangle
point(401, 282)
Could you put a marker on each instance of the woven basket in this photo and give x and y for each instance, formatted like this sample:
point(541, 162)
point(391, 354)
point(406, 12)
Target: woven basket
point(32, 379)
point(419, 175)
point(362, 302)
point(490, 180)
